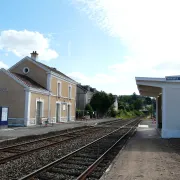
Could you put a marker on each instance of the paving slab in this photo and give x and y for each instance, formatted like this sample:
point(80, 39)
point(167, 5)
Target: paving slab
point(11, 133)
point(145, 157)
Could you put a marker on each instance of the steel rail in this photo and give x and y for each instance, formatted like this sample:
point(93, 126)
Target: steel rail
point(33, 174)
point(51, 137)
point(24, 152)
point(3, 160)
point(110, 121)
point(90, 169)
point(39, 140)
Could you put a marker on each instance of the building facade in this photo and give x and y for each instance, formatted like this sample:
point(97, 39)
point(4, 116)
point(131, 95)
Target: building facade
point(84, 95)
point(35, 93)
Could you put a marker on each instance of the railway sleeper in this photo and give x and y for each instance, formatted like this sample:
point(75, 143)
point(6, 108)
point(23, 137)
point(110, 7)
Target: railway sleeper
point(54, 176)
point(96, 175)
point(65, 166)
point(87, 155)
point(97, 151)
point(101, 168)
point(79, 162)
point(83, 158)
point(14, 150)
point(71, 172)
point(97, 147)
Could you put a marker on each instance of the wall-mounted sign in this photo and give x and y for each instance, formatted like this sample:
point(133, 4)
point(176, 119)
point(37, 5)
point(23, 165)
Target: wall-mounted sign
point(64, 107)
point(4, 115)
point(173, 78)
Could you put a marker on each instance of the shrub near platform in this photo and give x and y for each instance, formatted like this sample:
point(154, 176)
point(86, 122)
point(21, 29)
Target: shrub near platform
point(123, 114)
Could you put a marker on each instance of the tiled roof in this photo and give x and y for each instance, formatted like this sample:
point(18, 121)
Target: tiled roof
point(54, 70)
point(82, 87)
point(29, 82)
point(85, 88)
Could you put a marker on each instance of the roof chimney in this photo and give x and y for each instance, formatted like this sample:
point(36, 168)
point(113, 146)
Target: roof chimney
point(34, 55)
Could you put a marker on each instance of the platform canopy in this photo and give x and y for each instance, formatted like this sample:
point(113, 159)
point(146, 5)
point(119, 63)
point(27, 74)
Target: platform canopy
point(150, 86)
point(167, 93)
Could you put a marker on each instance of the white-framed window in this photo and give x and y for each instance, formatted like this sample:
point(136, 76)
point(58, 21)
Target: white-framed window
point(70, 92)
point(59, 89)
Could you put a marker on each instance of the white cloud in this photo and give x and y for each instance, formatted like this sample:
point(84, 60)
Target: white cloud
point(3, 65)
point(149, 29)
point(22, 43)
point(79, 77)
point(100, 81)
point(94, 80)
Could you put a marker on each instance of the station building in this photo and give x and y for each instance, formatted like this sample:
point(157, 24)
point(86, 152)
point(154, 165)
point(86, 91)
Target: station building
point(167, 93)
point(35, 92)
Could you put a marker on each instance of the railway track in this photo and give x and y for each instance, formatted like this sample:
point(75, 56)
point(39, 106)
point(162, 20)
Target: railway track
point(15, 151)
point(86, 162)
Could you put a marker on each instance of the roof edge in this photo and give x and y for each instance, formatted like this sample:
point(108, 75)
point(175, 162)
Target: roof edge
point(11, 75)
point(80, 86)
point(63, 77)
point(14, 77)
point(30, 59)
point(149, 79)
point(46, 92)
point(43, 67)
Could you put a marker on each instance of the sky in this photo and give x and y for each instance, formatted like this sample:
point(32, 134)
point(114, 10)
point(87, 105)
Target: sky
point(101, 43)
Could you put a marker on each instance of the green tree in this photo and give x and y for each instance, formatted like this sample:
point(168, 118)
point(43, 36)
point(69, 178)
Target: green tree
point(134, 96)
point(101, 102)
point(121, 106)
point(137, 104)
point(88, 107)
point(112, 112)
point(148, 101)
point(89, 110)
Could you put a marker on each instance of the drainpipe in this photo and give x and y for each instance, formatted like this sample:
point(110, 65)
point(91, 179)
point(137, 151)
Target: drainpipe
point(27, 107)
point(49, 95)
point(49, 107)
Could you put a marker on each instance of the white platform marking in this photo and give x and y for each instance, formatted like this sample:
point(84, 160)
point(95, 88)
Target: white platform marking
point(144, 126)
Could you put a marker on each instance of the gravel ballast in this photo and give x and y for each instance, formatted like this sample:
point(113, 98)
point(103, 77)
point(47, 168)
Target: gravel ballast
point(20, 167)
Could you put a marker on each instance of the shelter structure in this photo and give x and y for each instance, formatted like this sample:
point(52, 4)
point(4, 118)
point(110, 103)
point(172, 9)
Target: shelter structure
point(167, 93)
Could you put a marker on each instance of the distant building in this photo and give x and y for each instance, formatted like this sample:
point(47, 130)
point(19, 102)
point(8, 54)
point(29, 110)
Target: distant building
point(84, 95)
point(116, 103)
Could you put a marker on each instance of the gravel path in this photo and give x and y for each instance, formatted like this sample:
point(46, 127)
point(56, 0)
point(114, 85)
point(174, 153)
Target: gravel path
point(146, 157)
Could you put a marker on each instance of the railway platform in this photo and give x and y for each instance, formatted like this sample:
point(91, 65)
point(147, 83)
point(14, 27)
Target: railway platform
point(13, 133)
point(145, 156)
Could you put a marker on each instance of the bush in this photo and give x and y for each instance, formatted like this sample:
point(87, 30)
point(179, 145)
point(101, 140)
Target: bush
point(123, 114)
point(89, 109)
point(112, 112)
